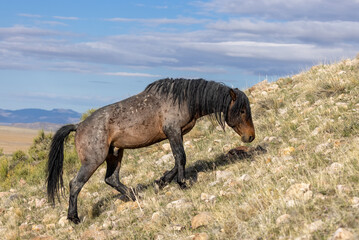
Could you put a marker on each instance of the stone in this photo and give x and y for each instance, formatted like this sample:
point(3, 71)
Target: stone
point(179, 204)
point(223, 175)
point(43, 237)
point(165, 159)
point(201, 236)
point(37, 228)
point(283, 219)
point(49, 218)
point(343, 234)
point(201, 219)
point(299, 191)
point(208, 198)
point(287, 151)
point(245, 178)
point(335, 168)
point(127, 206)
point(166, 147)
point(342, 189)
point(39, 203)
point(315, 226)
point(177, 227)
point(158, 217)
point(94, 235)
point(63, 221)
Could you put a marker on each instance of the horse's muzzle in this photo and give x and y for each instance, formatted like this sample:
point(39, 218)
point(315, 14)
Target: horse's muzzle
point(247, 139)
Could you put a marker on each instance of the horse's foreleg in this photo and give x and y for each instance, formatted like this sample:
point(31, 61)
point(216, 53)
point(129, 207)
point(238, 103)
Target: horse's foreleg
point(174, 136)
point(113, 161)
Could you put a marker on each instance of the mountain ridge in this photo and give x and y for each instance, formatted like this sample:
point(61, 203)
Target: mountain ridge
point(37, 115)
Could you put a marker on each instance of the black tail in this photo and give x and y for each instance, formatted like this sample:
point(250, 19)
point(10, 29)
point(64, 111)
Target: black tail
point(56, 159)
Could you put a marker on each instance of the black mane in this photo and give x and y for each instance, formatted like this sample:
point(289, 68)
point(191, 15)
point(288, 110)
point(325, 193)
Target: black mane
point(200, 96)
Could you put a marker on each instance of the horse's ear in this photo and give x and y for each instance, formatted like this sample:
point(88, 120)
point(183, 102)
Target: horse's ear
point(233, 94)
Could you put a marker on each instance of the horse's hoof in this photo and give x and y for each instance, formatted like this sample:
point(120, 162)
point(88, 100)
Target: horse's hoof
point(75, 219)
point(182, 185)
point(160, 183)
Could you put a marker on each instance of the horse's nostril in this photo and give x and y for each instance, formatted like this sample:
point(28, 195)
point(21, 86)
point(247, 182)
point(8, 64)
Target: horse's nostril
point(251, 138)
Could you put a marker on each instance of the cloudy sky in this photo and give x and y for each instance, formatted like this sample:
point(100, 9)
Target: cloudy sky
point(85, 54)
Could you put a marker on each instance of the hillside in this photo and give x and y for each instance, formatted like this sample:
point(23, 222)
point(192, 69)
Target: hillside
point(305, 186)
point(33, 115)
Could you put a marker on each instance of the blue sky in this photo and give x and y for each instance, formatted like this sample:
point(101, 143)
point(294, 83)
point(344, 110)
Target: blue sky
point(85, 54)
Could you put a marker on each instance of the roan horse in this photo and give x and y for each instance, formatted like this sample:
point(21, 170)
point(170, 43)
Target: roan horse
point(166, 109)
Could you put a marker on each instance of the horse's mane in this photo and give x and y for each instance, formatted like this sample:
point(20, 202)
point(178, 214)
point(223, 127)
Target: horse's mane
point(200, 96)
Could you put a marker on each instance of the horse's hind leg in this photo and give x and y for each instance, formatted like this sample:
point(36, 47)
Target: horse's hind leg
point(113, 161)
point(91, 160)
point(76, 184)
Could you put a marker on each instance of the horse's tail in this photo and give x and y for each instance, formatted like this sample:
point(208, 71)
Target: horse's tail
point(55, 163)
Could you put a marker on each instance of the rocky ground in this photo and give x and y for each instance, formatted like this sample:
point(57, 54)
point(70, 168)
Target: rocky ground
point(301, 183)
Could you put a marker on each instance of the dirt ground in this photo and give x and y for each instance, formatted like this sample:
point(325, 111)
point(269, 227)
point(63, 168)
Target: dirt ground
point(13, 138)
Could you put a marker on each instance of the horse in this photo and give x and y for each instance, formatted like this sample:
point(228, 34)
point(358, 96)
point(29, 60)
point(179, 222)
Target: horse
point(166, 109)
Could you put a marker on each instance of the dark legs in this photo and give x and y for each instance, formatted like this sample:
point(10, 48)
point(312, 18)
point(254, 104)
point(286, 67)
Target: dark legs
point(176, 141)
point(76, 184)
point(113, 161)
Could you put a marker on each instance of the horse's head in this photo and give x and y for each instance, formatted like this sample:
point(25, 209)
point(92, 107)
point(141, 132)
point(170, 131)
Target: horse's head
point(239, 115)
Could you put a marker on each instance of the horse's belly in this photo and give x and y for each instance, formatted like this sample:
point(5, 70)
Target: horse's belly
point(134, 139)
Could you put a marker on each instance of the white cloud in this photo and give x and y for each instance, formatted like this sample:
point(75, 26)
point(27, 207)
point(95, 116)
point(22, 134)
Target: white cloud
point(29, 15)
point(285, 10)
point(65, 18)
point(159, 21)
point(128, 74)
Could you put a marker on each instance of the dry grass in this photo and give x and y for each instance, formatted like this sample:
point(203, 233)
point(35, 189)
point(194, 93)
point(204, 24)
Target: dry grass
point(13, 138)
point(309, 125)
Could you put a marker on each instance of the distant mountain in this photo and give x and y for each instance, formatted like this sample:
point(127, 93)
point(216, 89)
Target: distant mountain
point(34, 115)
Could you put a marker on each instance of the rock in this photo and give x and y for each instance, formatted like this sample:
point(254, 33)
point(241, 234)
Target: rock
point(50, 226)
point(226, 147)
point(177, 227)
point(283, 219)
point(188, 144)
point(342, 105)
point(39, 203)
point(342, 189)
point(223, 175)
point(166, 147)
point(343, 234)
point(126, 206)
point(63, 221)
point(287, 151)
point(355, 202)
point(158, 217)
point(315, 132)
point(37, 228)
point(315, 226)
point(335, 168)
point(299, 191)
point(43, 237)
point(290, 203)
point(94, 235)
point(49, 218)
point(179, 204)
point(245, 178)
point(208, 198)
point(201, 236)
point(321, 147)
point(210, 150)
point(165, 159)
point(201, 219)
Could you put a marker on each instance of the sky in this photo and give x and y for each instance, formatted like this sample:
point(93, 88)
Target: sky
point(85, 54)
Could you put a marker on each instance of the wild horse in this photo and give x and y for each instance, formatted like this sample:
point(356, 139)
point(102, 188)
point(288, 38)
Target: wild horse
point(166, 109)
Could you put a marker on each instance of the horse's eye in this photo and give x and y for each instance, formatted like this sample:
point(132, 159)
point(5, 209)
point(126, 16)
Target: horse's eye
point(243, 112)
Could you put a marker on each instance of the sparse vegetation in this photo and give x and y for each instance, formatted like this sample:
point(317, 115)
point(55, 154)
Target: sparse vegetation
point(304, 187)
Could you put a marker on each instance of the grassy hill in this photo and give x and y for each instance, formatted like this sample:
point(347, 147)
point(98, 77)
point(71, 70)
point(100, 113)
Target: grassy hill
point(306, 185)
